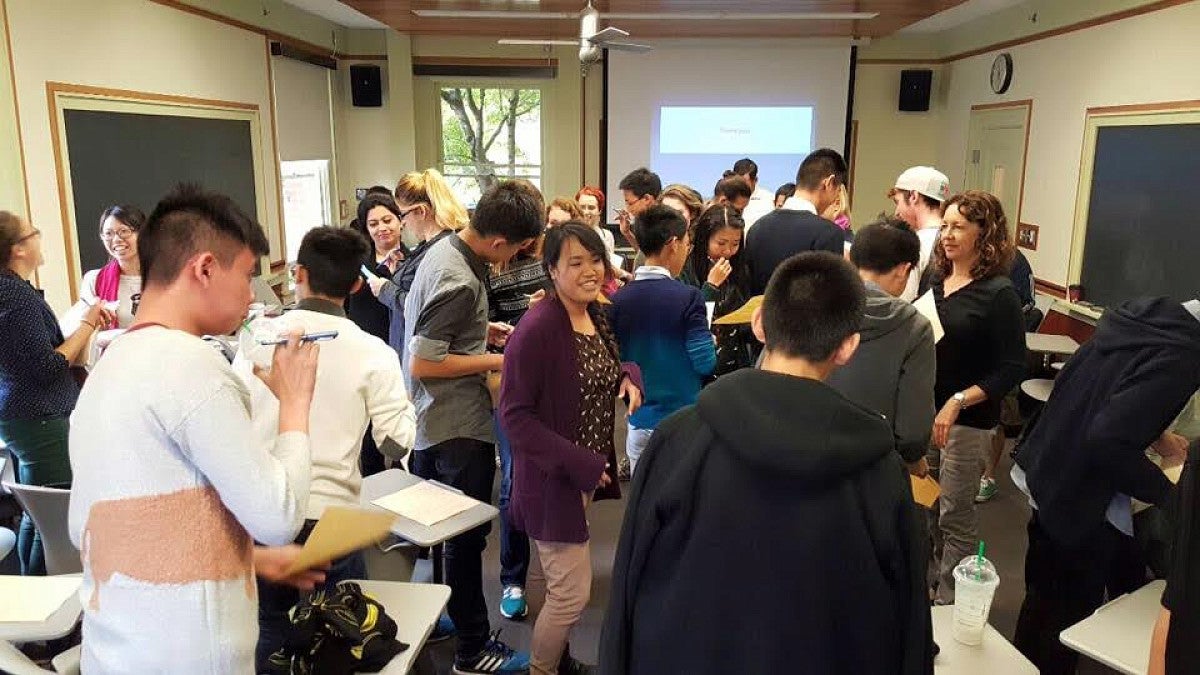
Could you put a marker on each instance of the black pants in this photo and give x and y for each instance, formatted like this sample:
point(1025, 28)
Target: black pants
point(468, 465)
point(370, 460)
point(274, 600)
point(1066, 584)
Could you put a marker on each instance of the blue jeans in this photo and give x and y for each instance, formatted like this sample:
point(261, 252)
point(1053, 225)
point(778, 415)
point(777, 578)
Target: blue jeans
point(514, 544)
point(40, 450)
point(635, 443)
point(274, 600)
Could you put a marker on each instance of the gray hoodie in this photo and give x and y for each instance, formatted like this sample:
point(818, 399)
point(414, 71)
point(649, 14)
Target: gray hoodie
point(893, 370)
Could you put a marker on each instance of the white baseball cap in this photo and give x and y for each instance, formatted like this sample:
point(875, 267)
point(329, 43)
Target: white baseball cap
point(925, 180)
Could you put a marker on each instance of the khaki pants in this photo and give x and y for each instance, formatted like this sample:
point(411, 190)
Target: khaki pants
point(954, 526)
point(568, 571)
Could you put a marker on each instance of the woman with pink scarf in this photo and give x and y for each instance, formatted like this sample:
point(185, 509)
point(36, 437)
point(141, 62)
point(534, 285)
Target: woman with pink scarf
point(120, 280)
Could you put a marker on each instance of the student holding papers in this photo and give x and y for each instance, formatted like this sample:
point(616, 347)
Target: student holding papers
point(892, 371)
point(359, 382)
point(776, 474)
point(979, 360)
point(171, 485)
point(561, 372)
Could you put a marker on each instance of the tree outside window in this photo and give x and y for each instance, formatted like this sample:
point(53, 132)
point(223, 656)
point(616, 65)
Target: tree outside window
point(489, 134)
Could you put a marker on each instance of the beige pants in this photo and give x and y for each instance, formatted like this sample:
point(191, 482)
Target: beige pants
point(567, 568)
point(955, 525)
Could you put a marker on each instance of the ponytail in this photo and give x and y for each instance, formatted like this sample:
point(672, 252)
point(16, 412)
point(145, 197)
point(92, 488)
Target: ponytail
point(604, 330)
point(430, 187)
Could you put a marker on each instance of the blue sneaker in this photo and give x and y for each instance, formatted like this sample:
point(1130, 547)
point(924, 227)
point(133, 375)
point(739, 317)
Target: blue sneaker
point(512, 603)
point(496, 658)
point(443, 630)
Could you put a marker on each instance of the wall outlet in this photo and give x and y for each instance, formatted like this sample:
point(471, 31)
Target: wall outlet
point(1027, 236)
point(343, 209)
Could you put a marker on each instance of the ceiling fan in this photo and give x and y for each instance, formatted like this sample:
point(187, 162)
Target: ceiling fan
point(591, 40)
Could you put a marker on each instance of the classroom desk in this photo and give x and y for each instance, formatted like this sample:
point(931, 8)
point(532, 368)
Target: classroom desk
point(1118, 634)
point(415, 608)
point(60, 624)
point(392, 480)
point(1043, 343)
point(1038, 389)
point(995, 656)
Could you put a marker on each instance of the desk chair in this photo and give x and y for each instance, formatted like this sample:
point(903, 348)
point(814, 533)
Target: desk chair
point(8, 542)
point(14, 662)
point(48, 509)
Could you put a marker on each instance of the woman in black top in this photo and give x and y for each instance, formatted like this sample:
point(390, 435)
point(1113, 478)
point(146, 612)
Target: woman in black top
point(717, 269)
point(381, 222)
point(37, 390)
point(979, 360)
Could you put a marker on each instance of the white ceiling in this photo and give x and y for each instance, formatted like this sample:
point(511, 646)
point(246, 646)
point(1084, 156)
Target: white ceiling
point(958, 15)
point(332, 10)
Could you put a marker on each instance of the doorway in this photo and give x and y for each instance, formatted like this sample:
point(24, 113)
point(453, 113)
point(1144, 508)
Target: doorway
point(997, 143)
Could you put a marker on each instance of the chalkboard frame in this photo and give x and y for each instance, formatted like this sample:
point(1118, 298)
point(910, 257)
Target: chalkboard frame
point(63, 96)
point(1151, 114)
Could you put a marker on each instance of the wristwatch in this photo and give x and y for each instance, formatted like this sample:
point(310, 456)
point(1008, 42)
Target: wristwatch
point(961, 399)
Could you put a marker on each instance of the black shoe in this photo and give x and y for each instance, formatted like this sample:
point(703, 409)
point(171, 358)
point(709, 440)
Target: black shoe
point(496, 658)
point(569, 666)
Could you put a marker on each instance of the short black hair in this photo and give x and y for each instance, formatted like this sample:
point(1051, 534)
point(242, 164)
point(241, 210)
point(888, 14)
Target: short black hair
point(786, 190)
point(819, 165)
point(331, 256)
point(656, 226)
point(732, 187)
point(191, 220)
point(813, 302)
point(379, 189)
point(513, 209)
point(884, 244)
point(746, 167)
point(642, 182)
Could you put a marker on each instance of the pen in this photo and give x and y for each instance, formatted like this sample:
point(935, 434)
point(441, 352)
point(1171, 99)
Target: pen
point(307, 337)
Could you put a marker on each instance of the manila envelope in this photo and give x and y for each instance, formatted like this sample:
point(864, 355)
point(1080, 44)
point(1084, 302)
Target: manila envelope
point(342, 530)
point(742, 314)
point(925, 490)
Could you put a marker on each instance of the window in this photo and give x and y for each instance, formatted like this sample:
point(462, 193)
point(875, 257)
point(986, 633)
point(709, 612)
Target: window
point(489, 134)
point(306, 201)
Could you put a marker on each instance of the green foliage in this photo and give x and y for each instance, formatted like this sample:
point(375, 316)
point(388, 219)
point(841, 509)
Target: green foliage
point(480, 132)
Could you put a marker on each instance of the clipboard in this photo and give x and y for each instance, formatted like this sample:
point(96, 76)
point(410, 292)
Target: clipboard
point(341, 530)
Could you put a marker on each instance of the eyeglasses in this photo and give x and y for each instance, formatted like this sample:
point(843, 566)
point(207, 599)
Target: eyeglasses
point(122, 234)
point(36, 232)
point(404, 212)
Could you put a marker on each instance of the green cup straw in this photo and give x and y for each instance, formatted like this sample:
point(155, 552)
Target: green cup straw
point(979, 562)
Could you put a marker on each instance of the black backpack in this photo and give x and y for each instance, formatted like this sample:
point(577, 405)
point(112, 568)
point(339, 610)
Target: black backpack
point(337, 632)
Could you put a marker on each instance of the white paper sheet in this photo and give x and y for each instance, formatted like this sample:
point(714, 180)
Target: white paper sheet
point(426, 503)
point(34, 599)
point(928, 309)
point(709, 308)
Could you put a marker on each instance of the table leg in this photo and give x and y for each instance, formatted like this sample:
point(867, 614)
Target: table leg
point(436, 559)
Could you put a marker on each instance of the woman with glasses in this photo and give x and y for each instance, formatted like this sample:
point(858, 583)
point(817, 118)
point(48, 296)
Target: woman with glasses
point(37, 391)
point(120, 280)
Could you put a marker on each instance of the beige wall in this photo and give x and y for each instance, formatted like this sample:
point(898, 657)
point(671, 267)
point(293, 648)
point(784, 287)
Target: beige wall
point(175, 53)
point(12, 180)
point(1146, 58)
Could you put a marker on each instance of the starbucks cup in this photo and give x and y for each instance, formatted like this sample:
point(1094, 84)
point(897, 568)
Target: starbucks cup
point(975, 582)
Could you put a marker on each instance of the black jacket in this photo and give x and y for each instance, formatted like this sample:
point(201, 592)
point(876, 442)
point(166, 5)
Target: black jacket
point(1115, 396)
point(782, 234)
point(771, 529)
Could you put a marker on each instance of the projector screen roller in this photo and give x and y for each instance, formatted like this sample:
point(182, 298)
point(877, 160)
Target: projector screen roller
point(696, 144)
point(690, 109)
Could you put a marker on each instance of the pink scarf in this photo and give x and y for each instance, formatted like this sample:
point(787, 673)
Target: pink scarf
point(108, 281)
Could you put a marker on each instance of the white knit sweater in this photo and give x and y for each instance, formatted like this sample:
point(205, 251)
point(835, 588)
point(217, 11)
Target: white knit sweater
point(170, 486)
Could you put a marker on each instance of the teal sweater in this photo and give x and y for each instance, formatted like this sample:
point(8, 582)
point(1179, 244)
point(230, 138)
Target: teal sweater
point(661, 325)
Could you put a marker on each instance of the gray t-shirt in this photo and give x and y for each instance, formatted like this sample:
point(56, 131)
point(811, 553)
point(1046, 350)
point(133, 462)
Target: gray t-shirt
point(447, 313)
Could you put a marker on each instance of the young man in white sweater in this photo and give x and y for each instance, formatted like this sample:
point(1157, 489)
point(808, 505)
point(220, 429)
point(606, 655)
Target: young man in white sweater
point(171, 486)
point(359, 382)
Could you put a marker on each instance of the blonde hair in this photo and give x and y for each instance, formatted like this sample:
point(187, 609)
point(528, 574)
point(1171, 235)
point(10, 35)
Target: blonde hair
point(430, 187)
point(690, 199)
point(841, 205)
point(566, 204)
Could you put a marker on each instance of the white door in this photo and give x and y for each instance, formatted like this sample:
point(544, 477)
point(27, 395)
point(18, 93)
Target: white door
point(996, 156)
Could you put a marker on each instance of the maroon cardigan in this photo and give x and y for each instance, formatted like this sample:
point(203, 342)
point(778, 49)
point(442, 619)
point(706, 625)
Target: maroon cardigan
point(539, 413)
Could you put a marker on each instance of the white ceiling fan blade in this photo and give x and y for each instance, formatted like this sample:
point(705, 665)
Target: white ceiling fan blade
point(510, 41)
point(610, 33)
point(626, 47)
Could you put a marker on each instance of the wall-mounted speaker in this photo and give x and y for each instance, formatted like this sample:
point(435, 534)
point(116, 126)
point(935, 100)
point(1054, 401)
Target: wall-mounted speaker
point(366, 86)
point(915, 86)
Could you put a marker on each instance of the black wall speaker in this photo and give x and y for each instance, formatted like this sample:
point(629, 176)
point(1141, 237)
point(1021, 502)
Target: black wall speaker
point(366, 88)
point(914, 90)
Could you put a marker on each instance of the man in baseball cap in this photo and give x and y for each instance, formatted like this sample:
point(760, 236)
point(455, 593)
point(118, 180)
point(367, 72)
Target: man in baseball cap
point(918, 195)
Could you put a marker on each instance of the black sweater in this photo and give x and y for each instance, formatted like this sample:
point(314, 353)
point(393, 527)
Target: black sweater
point(771, 529)
point(1112, 400)
point(782, 234)
point(984, 345)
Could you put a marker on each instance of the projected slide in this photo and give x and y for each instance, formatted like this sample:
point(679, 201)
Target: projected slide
point(695, 144)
